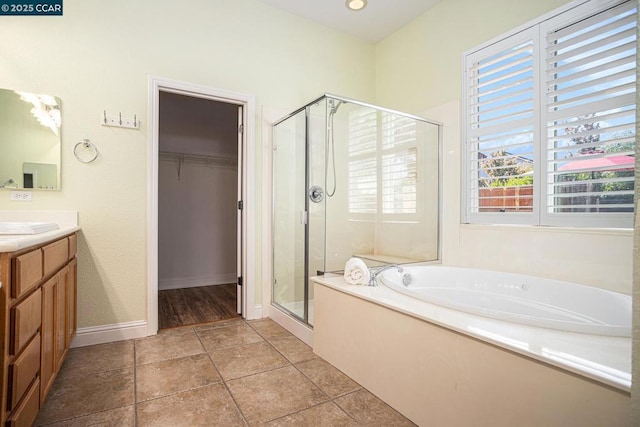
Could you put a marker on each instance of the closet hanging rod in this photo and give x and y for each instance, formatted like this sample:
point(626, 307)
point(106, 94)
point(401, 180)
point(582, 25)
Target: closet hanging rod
point(198, 158)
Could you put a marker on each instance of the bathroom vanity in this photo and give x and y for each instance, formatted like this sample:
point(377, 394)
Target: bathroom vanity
point(38, 277)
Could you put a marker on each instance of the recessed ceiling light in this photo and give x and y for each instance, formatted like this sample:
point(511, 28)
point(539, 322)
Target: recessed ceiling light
point(356, 4)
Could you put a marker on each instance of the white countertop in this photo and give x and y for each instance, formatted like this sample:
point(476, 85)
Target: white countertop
point(16, 242)
point(66, 220)
point(602, 358)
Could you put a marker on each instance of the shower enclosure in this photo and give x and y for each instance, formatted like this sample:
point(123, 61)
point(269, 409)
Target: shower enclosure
point(350, 179)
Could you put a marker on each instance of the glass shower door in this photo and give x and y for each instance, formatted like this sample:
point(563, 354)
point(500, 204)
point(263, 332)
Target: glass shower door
point(290, 215)
point(350, 179)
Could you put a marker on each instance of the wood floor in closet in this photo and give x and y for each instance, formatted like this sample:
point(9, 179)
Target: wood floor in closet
point(190, 306)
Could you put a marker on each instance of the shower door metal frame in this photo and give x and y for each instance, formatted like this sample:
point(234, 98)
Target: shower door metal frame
point(305, 317)
point(307, 181)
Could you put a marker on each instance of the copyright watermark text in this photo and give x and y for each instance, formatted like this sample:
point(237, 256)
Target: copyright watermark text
point(37, 7)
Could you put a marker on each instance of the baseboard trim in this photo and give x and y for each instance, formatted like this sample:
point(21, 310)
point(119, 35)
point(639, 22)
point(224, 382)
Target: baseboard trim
point(195, 282)
point(109, 333)
point(129, 330)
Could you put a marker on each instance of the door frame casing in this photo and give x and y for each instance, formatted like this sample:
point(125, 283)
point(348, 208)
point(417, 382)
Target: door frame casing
point(248, 244)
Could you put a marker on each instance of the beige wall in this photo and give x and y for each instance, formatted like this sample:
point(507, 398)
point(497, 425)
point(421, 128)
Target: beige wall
point(98, 56)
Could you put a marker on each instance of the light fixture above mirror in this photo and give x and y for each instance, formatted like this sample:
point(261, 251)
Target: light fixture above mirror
point(356, 4)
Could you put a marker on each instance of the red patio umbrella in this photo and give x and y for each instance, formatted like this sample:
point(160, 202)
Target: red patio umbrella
point(599, 163)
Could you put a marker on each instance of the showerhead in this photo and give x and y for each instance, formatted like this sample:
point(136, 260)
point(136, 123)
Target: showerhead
point(334, 106)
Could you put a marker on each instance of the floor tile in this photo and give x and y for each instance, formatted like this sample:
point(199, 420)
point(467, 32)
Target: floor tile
point(160, 379)
point(120, 417)
point(240, 361)
point(103, 357)
point(205, 406)
point(269, 329)
point(219, 324)
point(73, 396)
point(168, 344)
point(324, 415)
point(329, 379)
point(368, 410)
point(293, 349)
point(228, 336)
point(273, 394)
point(223, 373)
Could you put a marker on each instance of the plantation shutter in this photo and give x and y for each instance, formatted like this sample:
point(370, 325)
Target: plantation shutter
point(549, 123)
point(590, 83)
point(501, 118)
point(385, 142)
point(362, 169)
point(399, 164)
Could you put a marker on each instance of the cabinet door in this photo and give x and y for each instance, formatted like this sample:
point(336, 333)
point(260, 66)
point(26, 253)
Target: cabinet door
point(47, 360)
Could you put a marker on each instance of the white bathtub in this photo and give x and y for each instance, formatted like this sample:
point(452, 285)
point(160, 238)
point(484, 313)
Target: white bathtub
point(516, 298)
point(602, 357)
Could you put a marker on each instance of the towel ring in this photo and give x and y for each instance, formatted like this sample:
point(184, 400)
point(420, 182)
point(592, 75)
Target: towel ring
point(85, 151)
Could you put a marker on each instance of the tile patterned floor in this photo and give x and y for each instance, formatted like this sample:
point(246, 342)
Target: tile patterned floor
point(219, 374)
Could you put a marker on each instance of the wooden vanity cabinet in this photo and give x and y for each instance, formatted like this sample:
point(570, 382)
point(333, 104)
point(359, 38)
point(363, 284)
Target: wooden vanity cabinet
point(38, 319)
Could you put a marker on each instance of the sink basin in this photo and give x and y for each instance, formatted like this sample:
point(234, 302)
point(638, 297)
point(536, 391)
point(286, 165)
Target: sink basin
point(27, 227)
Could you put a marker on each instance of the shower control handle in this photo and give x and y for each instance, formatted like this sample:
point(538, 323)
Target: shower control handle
point(316, 194)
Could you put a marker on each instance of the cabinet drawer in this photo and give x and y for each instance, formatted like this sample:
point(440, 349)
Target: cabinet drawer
point(27, 272)
point(73, 245)
point(25, 321)
point(55, 255)
point(26, 412)
point(23, 371)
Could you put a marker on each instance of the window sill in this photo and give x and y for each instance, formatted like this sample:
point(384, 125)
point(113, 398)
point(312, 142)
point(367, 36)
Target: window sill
point(626, 232)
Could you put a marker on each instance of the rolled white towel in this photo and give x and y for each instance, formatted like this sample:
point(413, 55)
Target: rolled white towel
point(356, 272)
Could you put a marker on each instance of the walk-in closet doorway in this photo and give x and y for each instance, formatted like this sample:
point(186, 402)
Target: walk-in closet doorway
point(196, 263)
point(197, 210)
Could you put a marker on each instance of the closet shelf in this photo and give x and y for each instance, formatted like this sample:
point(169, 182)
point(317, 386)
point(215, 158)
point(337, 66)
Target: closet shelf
point(198, 158)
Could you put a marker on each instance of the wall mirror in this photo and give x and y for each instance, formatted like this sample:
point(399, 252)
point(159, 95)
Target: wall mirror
point(29, 140)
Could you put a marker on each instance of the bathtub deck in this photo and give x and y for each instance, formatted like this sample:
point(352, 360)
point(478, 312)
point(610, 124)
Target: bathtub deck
point(456, 374)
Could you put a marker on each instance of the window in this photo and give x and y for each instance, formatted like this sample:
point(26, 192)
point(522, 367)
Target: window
point(386, 142)
point(363, 165)
point(550, 122)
